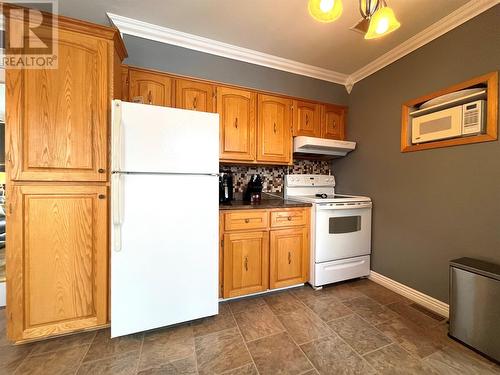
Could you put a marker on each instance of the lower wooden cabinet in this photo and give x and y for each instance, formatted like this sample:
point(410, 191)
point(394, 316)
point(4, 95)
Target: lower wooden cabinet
point(257, 258)
point(57, 259)
point(246, 263)
point(289, 255)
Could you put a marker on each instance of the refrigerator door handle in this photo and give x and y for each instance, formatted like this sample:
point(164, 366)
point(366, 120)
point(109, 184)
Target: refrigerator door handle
point(117, 214)
point(117, 135)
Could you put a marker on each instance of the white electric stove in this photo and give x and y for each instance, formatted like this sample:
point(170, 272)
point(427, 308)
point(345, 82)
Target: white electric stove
point(340, 229)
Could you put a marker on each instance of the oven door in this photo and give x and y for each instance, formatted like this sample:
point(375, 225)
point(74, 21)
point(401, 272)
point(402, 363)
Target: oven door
point(342, 230)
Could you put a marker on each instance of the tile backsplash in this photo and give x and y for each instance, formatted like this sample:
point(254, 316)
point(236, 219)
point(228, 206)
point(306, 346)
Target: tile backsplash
point(273, 176)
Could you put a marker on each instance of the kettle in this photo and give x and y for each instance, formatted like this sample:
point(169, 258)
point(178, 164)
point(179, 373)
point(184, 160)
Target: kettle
point(225, 187)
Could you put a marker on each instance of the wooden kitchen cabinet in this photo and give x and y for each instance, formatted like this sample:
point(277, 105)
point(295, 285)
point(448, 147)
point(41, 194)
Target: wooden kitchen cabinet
point(237, 113)
point(263, 249)
point(195, 96)
point(58, 118)
point(289, 252)
point(57, 167)
point(333, 122)
point(57, 265)
point(150, 87)
point(246, 263)
point(274, 138)
point(306, 118)
point(125, 83)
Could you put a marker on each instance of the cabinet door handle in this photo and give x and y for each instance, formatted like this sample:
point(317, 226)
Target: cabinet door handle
point(246, 263)
point(289, 218)
point(150, 98)
point(236, 123)
point(101, 196)
point(101, 170)
point(195, 102)
point(274, 128)
point(247, 221)
point(289, 258)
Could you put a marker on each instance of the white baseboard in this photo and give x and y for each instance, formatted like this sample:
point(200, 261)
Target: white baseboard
point(429, 302)
point(3, 294)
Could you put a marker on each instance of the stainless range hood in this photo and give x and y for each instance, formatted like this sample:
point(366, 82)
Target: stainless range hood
point(325, 148)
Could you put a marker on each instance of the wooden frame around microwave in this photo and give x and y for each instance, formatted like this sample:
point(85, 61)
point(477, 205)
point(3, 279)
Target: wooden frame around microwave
point(490, 81)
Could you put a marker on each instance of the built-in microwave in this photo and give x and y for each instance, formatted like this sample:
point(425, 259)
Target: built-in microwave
point(462, 120)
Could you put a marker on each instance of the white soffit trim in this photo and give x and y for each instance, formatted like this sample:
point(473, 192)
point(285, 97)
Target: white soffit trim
point(429, 302)
point(170, 36)
point(463, 14)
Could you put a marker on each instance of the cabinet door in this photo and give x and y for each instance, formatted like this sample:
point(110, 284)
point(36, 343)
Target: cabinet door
point(289, 258)
point(150, 88)
point(196, 96)
point(333, 124)
point(236, 110)
point(306, 119)
point(125, 83)
point(274, 138)
point(57, 262)
point(246, 263)
point(58, 118)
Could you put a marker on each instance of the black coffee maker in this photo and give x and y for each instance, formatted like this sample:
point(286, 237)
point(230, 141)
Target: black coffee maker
point(253, 193)
point(225, 187)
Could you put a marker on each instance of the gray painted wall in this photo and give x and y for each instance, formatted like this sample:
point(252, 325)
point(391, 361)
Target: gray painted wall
point(435, 205)
point(154, 55)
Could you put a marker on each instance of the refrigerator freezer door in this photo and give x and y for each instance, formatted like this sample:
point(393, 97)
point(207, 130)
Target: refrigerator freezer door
point(165, 269)
point(154, 139)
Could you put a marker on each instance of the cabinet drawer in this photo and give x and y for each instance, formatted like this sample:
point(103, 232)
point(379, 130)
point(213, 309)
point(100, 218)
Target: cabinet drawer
point(288, 218)
point(246, 220)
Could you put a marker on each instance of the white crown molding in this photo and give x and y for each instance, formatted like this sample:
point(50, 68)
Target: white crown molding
point(170, 36)
point(429, 302)
point(463, 14)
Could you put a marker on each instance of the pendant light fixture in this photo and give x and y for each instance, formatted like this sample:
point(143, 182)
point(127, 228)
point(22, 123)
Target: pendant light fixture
point(382, 22)
point(325, 10)
point(378, 19)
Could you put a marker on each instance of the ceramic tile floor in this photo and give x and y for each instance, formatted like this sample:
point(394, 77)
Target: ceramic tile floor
point(351, 328)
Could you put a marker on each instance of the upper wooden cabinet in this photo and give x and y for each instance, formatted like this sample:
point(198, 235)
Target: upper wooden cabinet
point(57, 262)
point(193, 95)
point(58, 118)
point(274, 138)
point(125, 81)
point(237, 113)
point(333, 121)
point(150, 87)
point(306, 119)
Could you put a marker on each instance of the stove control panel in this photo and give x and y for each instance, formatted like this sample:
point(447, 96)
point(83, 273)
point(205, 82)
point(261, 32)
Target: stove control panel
point(309, 180)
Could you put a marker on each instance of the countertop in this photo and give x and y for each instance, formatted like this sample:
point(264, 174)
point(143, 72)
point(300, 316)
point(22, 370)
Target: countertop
point(264, 204)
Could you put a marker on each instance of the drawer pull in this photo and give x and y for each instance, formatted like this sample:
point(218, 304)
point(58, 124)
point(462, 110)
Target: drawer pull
point(289, 258)
point(247, 221)
point(246, 263)
point(289, 218)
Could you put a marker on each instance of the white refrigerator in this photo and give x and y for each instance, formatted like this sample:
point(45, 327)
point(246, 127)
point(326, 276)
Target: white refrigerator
point(164, 208)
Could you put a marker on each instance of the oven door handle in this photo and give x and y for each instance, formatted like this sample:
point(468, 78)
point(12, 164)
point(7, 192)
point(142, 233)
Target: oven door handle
point(344, 206)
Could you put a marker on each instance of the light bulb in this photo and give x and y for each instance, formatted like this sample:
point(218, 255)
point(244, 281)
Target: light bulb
point(382, 26)
point(326, 5)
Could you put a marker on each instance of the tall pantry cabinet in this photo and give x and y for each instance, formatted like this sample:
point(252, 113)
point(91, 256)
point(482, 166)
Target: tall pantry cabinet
point(57, 142)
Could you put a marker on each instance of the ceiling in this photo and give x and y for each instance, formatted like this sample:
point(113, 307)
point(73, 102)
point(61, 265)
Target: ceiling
point(281, 28)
